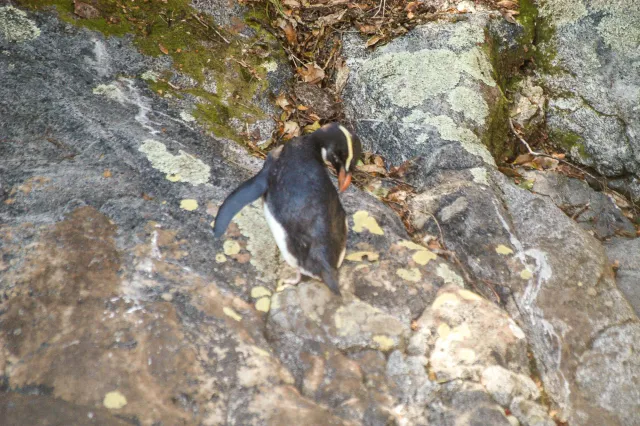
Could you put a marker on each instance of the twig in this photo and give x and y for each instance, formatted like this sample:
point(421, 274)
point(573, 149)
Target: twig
point(542, 154)
point(209, 27)
point(439, 228)
point(581, 210)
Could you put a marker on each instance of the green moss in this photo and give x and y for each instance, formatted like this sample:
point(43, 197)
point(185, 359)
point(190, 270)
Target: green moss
point(496, 138)
point(196, 47)
point(569, 141)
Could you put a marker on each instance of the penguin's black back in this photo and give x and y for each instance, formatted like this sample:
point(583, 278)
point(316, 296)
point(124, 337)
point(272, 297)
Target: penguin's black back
point(304, 201)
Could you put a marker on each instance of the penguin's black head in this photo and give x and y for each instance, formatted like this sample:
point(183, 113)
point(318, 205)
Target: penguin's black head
point(341, 148)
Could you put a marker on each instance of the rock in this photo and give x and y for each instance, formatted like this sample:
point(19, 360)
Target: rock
point(433, 87)
point(528, 104)
point(15, 26)
point(594, 211)
point(85, 10)
point(316, 98)
point(117, 300)
point(627, 253)
point(518, 248)
point(588, 63)
point(464, 333)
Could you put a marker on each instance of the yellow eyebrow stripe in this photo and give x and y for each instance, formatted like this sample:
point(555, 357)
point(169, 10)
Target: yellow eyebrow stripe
point(349, 147)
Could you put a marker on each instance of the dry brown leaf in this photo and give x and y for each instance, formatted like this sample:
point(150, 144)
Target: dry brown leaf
point(558, 156)
point(507, 4)
point(546, 162)
point(290, 33)
point(412, 6)
point(293, 4)
point(509, 15)
point(106, 173)
point(302, 107)
point(283, 102)
point(378, 161)
point(367, 29)
point(85, 10)
point(311, 73)
point(325, 21)
point(372, 168)
point(312, 127)
point(373, 40)
point(342, 75)
point(523, 158)
point(163, 49)
point(291, 130)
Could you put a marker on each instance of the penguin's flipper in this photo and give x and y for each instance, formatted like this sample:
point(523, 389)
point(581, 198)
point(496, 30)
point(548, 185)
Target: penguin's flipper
point(245, 194)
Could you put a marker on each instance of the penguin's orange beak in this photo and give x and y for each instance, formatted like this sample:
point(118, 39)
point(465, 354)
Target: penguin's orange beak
point(344, 180)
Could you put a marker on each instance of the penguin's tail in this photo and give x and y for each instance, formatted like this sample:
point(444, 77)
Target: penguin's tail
point(330, 277)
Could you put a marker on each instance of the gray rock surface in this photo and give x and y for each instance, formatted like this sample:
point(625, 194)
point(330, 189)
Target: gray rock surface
point(118, 304)
point(593, 79)
point(519, 248)
point(430, 92)
point(594, 211)
point(627, 253)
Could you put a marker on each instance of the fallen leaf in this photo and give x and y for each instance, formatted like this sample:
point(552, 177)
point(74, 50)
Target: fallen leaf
point(412, 6)
point(334, 18)
point(373, 40)
point(546, 162)
point(163, 49)
point(107, 173)
point(558, 156)
point(523, 158)
point(291, 130)
point(311, 73)
point(293, 4)
point(310, 128)
point(367, 29)
point(85, 10)
point(282, 101)
point(342, 75)
point(372, 168)
point(509, 15)
point(507, 4)
point(290, 33)
point(302, 108)
point(378, 160)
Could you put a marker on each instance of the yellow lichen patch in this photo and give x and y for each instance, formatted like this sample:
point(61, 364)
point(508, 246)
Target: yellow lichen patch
point(221, 258)
point(526, 274)
point(467, 355)
point(410, 245)
point(173, 177)
point(263, 304)
point(231, 247)
point(260, 291)
point(412, 274)
point(114, 400)
point(422, 257)
point(469, 295)
point(261, 351)
point(385, 343)
point(444, 330)
point(189, 168)
point(231, 313)
point(502, 249)
point(358, 256)
point(362, 221)
point(445, 298)
point(189, 205)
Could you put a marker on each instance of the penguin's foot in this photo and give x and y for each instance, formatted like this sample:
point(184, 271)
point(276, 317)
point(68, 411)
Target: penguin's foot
point(296, 280)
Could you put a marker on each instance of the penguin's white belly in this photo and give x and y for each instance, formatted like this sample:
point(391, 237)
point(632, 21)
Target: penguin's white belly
point(280, 235)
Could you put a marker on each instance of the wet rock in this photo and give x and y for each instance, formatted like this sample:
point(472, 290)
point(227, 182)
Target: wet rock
point(627, 254)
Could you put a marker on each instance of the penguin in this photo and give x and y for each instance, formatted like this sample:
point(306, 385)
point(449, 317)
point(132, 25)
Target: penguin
point(301, 204)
